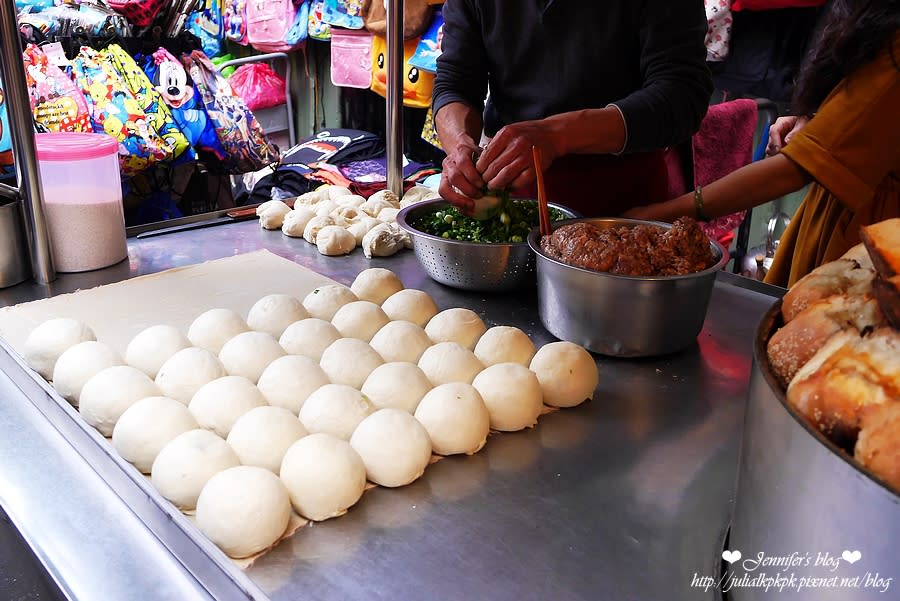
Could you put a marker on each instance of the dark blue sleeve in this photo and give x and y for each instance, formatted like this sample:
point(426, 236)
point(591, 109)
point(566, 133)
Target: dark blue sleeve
point(462, 72)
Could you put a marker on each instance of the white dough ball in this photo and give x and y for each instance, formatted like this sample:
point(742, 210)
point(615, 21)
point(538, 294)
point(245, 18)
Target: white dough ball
point(214, 328)
point(52, 338)
point(78, 364)
point(147, 426)
point(106, 396)
point(455, 417)
point(289, 380)
point(187, 462)
point(361, 226)
point(335, 409)
point(400, 341)
point(218, 404)
point(323, 475)
point(397, 384)
point(273, 313)
point(315, 225)
point(186, 371)
point(567, 373)
point(394, 447)
point(349, 361)
point(308, 337)
point(376, 284)
point(512, 394)
point(335, 240)
point(153, 346)
point(359, 319)
point(272, 216)
point(447, 362)
point(504, 344)
point(295, 222)
point(412, 305)
point(249, 354)
point(324, 301)
point(243, 510)
point(263, 435)
point(456, 325)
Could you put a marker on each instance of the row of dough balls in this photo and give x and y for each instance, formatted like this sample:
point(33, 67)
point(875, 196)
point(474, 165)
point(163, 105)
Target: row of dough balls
point(337, 221)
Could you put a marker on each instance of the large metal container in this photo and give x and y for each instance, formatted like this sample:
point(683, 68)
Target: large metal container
point(620, 315)
point(798, 493)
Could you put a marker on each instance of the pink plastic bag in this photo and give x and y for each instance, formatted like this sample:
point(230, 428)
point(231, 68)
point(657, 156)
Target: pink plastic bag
point(259, 86)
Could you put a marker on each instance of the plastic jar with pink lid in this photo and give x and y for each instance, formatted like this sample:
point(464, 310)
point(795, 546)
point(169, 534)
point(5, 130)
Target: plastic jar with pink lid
point(82, 199)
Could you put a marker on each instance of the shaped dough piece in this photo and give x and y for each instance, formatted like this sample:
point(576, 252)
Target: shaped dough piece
point(106, 396)
point(350, 200)
point(382, 241)
point(401, 341)
point(295, 221)
point(212, 329)
point(385, 196)
point(447, 362)
point(80, 363)
point(503, 344)
point(249, 354)
point(412, 305)
point(349, 361)
point(308, 337)
point(185, 465)
point(455, 417)
point(218, 404)
point(388, 214)
point(376, 284)
point(324, 476)
point(263, 435)
point(324, 301)
point(269, 205)
point(273, 313)
point(326, 207)
point(288, 381)
point(348, 213)
point(373, 206)
point(418, 193)
point(335, 192)
point(273, 217)
point(359, 319)
point(315, 225)
point(243, 510)
point(512, 395)
point(335, 409)
point(186, 371)
point(567, 373)
point(147, 426)
point(153, 346)
point(52, 338)
point(394, 447)
point(361, 226)
point(334, 240)
point(400, 385)
point(456, 325)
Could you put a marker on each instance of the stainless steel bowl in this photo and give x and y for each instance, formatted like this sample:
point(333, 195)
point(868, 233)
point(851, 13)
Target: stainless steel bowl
point(469, 265)
point(620, 315)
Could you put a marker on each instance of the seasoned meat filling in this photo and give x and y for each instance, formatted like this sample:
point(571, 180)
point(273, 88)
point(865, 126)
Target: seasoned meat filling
point(642, 250)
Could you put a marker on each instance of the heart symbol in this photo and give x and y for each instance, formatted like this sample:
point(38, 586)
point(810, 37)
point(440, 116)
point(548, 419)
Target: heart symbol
point(851, 557)
point(733, 556)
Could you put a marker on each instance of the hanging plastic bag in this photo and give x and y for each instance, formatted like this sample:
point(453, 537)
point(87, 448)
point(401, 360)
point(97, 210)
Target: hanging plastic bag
point(56, 101)
point(6, 156)
point(259, 85)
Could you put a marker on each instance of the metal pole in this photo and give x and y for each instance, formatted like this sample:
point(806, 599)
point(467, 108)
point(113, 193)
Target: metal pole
point(394, 96)
point(21, 126)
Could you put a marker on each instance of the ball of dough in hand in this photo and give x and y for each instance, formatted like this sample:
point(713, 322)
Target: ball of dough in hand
point(456, 325)
point(335, 409)
point(324, 476)
point(309, 337)
point(186, 371)
point(218, 404)
point(334, 240)
point(455, 417)
point(324, 301)
point(111, 391)
point(51, 339)
point(249, 354)
point(447, 362)
point(289, 380)
point(186, 464)
point(567, 373)
point(153, 346)
point(243, 510)
point(400, 385)
point(512, 394)
point(263, 435)
point(80, 363)
point(349, 361)
point(503, 344)
point(394, 447)
point(147, 426)
point(272, 314)
point(214, 328)
point(359, 319)
point(400, 341)
point(376, 284)
point(412, 305)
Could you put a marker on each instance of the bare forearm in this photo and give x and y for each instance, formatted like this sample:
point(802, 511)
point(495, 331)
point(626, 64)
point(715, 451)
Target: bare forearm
point(590, 131)
point(457, 123)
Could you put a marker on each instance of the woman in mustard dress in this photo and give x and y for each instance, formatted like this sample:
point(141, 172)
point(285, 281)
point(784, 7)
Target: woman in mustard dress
point(848, 149)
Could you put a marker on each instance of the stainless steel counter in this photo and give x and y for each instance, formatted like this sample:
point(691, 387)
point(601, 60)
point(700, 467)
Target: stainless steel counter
point(626, 497)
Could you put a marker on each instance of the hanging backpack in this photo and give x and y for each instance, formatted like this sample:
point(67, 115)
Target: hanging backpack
point(234, 17)
point(269, 23)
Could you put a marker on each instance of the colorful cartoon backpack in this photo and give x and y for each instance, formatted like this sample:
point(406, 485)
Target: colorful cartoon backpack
point(417, 84)
point(56, 101)
point(317, 28)
point(206, 24)
point(275, 25)
point(234, 21)
point(344, 13)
